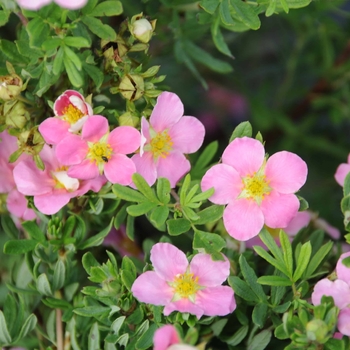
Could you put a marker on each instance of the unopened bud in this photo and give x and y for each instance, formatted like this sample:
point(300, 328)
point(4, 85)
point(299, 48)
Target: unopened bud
point(10, 87)
point(317, 330)
point(16, 114)
point(132, 87)
point(142, 30)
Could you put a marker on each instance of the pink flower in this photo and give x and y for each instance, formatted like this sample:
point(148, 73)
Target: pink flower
point(52, 188)
point(167, 338)
point(257, 191)
point(344, 321)
point(37, 4)
point(97, 151)
point(341, 172)
point(343, 272)
point(17, 205)
point(165, 139)
point(195, 288)
point(71, 113)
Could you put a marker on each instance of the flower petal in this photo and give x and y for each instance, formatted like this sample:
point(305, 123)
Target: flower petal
point(63, 101)
point(51, 203)
point(244, 154)
point(17, 205)
point(119, 169)
point(187, 135)
point(54, 130)
point(299, 221)
point(344, 321)
point(145, 167)
point(33, 4)
point(71, 5)
point(93, 185)
point(164, 337)
point(94, 128)
point(173, 167)
point(86, 170)
point(279, 209)
point(167, 111)
point(226, 182)
point(340, 175)
point(168, 261)
point(243, 219)
point(210, 273)
point(124, 139)
point(152, 289)
point(71, 150)
point(183, 305)
point(286, 172)
point(343, 272)
point(216, 301)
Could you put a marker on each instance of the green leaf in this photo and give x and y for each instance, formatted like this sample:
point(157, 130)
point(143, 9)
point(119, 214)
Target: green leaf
point(72, 56)
point(271, 8)
point(159, 215)
point(128, 272)
point(205, 158)
point(43, 285)
point(287, 252)
point(128, 194)
point(9, 226)
point(251, 278)
point(59, 275)
point(210, 214)
point(19, 246)
point(144, 188)
point(202, 196)
point(51, 44)
point(92, 311)
point(271, 245)
point(242, 289)
point(260, 341)
point(38, 31)
point(246, 14)
point(94, 73)
point(76, 41)
point(140, 209)
point(73, 74)
point(265, 255)
point(4, 17)
point(211, 242)
point(275, 281)
point(209, 5)
point(284, 6)
point(96, 26)
point(28, 325)
point(5, 338)
point(303, 260)
point(241, 130)
point(94, 337)
point(317, 259)
point(218, 38)
point(260, 314)
point(108, 8)
point(130, 227)
point(178, 226)
point(97, 239)
point(238, 336)
point(295, 4)
point(10, 50)
point(224, 11)
point(33, 231)
point(163, 190)
point(201, 56)
point(146, 340)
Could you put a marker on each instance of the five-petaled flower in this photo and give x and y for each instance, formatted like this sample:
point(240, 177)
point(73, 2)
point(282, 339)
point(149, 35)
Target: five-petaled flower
point(194, 288)
point(99, 151)
point(257, 191)
point(165, 139)
point(71, 112)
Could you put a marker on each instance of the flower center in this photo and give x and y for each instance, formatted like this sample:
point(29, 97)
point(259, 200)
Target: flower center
point(100, 153)
point(72, 114)
point(185, 286)
point(255, 187)
point(63, 181)
point(161, 144)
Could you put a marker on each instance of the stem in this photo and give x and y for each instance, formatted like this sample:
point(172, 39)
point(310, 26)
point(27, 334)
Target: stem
point(175, 195)
point(22, 18)
point(59, 330)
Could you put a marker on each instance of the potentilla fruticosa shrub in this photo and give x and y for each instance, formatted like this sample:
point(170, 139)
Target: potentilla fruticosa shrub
point(122, 227)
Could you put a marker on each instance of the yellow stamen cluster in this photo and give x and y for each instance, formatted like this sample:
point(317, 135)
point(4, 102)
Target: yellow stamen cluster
point(255, 187)
point(185, 286)
point(161, 144)
point(72, 114)
point(100, 153)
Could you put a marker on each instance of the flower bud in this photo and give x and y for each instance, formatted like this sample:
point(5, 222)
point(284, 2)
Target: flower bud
point(10, 87)
point(317, 330)
point(128, 119)
point(16, 114)
point(142, 30)
point(132, 87)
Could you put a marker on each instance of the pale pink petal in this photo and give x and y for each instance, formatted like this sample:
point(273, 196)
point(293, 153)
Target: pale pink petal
point(279, 209)
point(181, 347)
point(94, 128)
point(6, 178)
point(243, 219)
point(167, 111)
point(94, 185)
point(17, 205)
point(48, 156)
point(146, 167)
point(71, 4)
point(210, 273)
point(164, 337)
point(63, 101)
point(286, 172)
point(124, 139)
point(300, 220)
point(216, 301)
point(74, 128)
point(86, 170)
point(8, 145)
point(72, 150)
point(342, 271)
point(326, 227)
point(173, 167)
point(341, 172)
point(226, 182)
point(344, 321)
point(30, 180)
point(33, 4)
point(183, 305)
point(255, 241)
point(54, 130)
point(119, 169)
point(152, 289)
point(187, 135)
point(244, 154)
point(168, 261)
point(338, 289)
point(51, 203)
